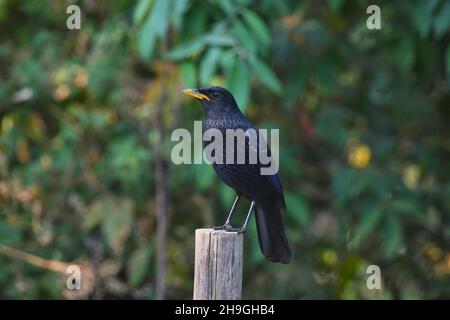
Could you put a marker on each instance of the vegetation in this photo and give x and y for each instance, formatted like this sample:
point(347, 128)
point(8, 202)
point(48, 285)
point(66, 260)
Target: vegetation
point(85, 123)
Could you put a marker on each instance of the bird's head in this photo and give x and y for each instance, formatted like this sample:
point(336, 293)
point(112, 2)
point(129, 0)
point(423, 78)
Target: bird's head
point(214, 99)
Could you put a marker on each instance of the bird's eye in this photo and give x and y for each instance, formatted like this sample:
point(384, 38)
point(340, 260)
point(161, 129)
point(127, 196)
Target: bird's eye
point(215, 94)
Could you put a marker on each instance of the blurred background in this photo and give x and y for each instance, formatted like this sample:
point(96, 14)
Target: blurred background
point(85, 123)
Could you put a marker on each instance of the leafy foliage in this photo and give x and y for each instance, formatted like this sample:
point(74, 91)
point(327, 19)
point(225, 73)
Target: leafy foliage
point(364, 142)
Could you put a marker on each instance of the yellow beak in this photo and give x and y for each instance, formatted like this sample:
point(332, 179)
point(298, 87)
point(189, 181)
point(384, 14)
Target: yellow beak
point(194, 93)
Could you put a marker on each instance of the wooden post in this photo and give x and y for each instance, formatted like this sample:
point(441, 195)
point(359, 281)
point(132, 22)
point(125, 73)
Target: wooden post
point(218, 265)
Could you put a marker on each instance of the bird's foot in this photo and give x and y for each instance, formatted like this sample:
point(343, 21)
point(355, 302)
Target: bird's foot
point(240, 229)
point(232, 229)
point(226, 227)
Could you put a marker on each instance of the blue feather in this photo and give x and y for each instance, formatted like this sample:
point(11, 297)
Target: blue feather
point(275, 181)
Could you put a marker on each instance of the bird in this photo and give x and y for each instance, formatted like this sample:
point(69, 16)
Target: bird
point(265, 192)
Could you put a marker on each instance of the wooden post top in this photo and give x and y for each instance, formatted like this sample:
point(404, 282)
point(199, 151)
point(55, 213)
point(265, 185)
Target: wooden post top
point(218, 264)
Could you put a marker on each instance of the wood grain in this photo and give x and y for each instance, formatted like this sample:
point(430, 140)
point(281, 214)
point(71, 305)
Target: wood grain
point(218, 265)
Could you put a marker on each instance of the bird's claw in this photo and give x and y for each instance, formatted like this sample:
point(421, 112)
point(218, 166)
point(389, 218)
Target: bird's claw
point(230, 228)
point(226, 227)
point(240, 230)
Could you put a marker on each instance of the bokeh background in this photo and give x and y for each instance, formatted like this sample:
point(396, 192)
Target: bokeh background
point(85, 123)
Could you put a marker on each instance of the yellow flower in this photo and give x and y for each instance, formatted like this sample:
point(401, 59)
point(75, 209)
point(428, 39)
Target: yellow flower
point(433, 252)
point(81, 78)
point(411, 176)
point(62, 92)
point(291, 21)
point(329, 257)
point(7, 123)
point(22, 151)
point(359, 156)
point(60, 76)
point(45, 161)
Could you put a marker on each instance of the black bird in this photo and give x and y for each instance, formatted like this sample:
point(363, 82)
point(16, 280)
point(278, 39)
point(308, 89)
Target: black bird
point(264, 191)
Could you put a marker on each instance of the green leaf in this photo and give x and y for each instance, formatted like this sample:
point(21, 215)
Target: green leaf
point(289, 162)
point(178, 13)
point(392, 236)
point(146, 43)
point(227, 61)
point(239, 83)
point(297, 209)
point(188, 49)
point(431, 219)
point(448, 60)
point(117, 221)
point(188, 74)
point(226, 195)
point(94, 216)
point(422, 15)
point(349, 184)
point(296, 85)
point(335, 5)
point(204, 177)
point(227, 6)
point(146, 40)
point(442, 20)
point(403, 53)
point(197, 20)
point(160, 16)
point(245, 37)
point(208, 64)
point(258, 27)
point(141, 10)
point(367, 224)
point(405, 206)
point(155, 26)
point(138, 265)
point(215, 39)
point(266, 75)
point(9, 234)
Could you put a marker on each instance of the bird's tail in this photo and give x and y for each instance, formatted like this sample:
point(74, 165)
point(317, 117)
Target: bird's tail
point(271, 235)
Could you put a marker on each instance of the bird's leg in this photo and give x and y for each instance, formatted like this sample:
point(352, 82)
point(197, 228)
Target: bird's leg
point(227, 224)
point(244, 226)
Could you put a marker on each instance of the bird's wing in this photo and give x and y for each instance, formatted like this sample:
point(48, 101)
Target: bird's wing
point(252, 146)
point(275, 181)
